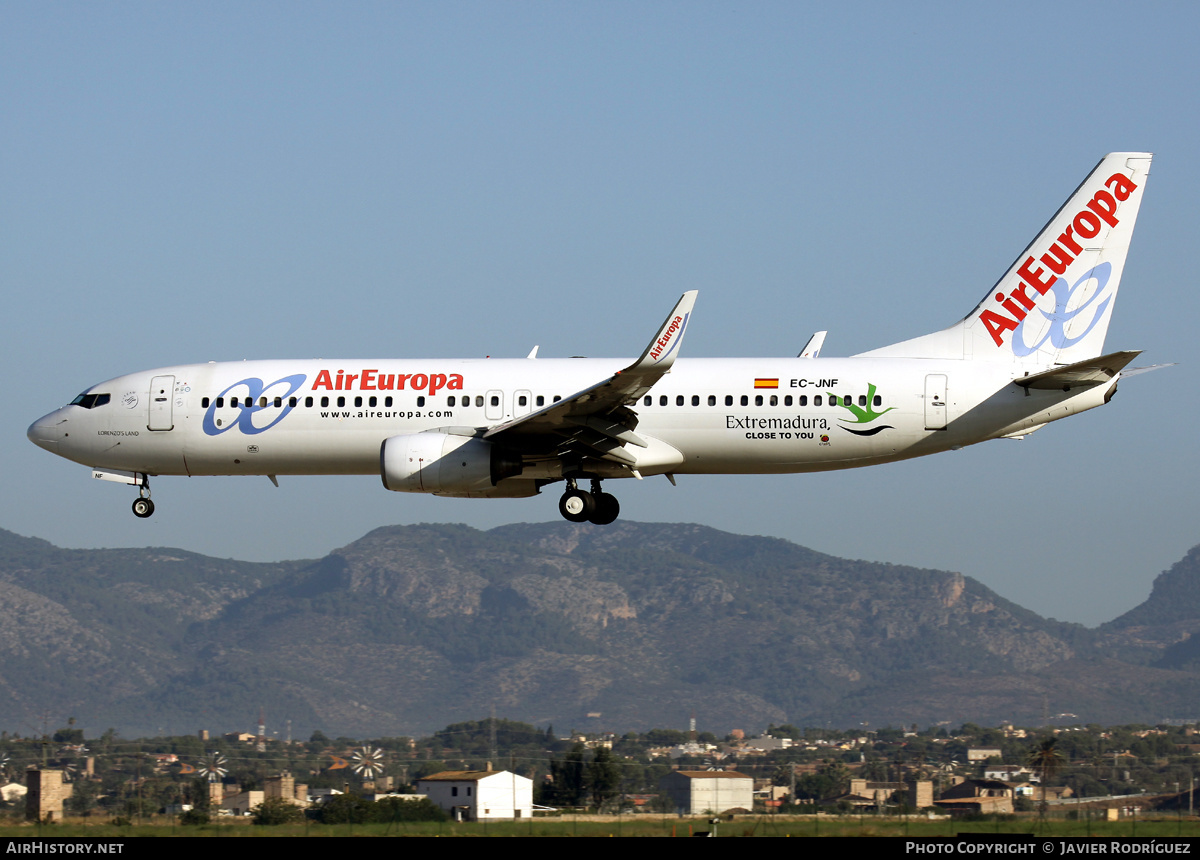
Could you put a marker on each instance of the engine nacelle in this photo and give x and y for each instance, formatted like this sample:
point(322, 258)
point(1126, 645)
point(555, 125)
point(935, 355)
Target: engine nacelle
point(449, 465)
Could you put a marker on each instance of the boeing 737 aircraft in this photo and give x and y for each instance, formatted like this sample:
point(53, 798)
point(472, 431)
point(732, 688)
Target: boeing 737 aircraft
point(1030, 353)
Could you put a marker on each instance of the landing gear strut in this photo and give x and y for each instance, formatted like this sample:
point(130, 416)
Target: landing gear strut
point(142, 506)
point(579, 506)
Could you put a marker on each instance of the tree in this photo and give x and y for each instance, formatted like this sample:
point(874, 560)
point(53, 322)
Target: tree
point(351, 809)
point(68, 735)
point(83, 797)
point(568, 776)
point(276, 810)
point(1046, 760)
point(194, 817)
point(603, 776)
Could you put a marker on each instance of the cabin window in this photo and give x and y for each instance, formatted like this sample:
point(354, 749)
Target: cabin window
point(292, 401)
point(557, 398)
point(878, 400)
point(802, 400)
point(728, 399)
point(758, 400)
point(372, 401)
point(450, 400)
point(324, 401)
point(712, 400)
point(745, 401)
point(262, 403)
point(695, 399)
point(204, 403)
point(679, 400)
point(495, 400)
point(341, 401)
point(862, 400)
point(278, 402)
point(662, 401)
point(816, 400)
point(541, 400)
point(522, 400)
point(387, 401)
point(478, 399)
point(421, 400)
point(774, 400)
point(647, 400)
point(787, 401)
point(308, 402)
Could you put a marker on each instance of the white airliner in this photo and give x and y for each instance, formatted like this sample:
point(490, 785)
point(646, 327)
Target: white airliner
point(1030, 353)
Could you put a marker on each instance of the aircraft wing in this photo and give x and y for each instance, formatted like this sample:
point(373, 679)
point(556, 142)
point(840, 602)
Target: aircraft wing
point(597, 421)
point(1081, 374)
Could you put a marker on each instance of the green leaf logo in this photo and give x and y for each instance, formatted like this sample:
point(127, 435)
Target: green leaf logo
point(862, 415)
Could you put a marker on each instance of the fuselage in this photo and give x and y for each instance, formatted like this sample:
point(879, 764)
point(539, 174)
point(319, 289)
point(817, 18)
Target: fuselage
point(741, 415)
point(1031, 352)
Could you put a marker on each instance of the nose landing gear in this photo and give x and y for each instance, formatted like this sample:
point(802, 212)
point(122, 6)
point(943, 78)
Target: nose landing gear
point(142, 506)
point(579, 506)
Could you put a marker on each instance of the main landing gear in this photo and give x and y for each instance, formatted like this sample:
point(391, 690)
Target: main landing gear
point(579, 506)
point(142, 506)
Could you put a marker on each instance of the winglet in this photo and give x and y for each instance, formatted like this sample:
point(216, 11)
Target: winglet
point(813, 348)
point(661, 352)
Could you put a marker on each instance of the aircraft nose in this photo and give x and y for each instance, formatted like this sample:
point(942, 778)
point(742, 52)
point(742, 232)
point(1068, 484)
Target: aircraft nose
point(46, 432)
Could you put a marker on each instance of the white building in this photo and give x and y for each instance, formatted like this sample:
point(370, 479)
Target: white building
point(977, 755)
point(766, 743)
point(699, 791)
point(473, 795)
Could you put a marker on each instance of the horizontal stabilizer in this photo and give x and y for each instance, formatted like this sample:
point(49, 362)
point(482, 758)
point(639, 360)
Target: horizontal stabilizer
point(1134, 371)
point(1081, 374)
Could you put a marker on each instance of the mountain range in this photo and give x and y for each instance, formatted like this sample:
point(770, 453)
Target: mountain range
point(623, 627)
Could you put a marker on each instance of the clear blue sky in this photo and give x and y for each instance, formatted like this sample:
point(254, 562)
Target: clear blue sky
point(194, 181)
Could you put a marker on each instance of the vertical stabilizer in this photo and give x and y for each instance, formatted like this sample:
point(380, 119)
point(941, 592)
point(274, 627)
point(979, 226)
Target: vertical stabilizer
point(1054, 303)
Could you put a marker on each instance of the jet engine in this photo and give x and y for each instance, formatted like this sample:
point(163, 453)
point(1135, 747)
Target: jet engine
point(448, 465)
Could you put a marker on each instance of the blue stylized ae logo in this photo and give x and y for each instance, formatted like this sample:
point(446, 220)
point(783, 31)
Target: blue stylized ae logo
point(254, 391)
point(1063, 313)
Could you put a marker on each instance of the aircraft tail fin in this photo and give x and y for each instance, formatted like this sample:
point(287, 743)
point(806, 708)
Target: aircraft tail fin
point(1054, 303)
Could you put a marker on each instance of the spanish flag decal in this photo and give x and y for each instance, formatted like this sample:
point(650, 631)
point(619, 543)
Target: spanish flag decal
point(766, 383)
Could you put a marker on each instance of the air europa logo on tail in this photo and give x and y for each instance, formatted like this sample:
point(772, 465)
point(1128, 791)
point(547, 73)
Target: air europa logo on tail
point(1087, 224)
point(660, 350)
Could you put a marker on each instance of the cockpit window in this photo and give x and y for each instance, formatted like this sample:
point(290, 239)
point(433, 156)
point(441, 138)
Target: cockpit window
point(90, 401)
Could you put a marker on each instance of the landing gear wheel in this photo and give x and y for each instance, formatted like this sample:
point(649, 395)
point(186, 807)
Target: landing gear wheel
point(607, 509)
point(142, 508)
point(576, 506)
